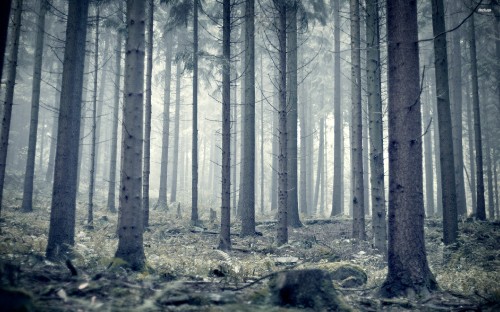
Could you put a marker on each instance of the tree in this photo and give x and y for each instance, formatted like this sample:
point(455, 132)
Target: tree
point(114, 129)
point(319, 175)
point(4, 26)
point(292, 116)
point(194, 158)
point(93, 147)
point(450, 222)
point(408, 270)
point(63, 207)
point(27, 204)
point(472, 159)
point(282, 229)
point(373, 86)
point(147, 120)
point(225, 231)
point(358, 225)
point(162, 196)
point(429, 176)
point(247, 193)
point(481, 206)
point(178, 71)
point(337, 114)
point(130, 221)
point(9, 93)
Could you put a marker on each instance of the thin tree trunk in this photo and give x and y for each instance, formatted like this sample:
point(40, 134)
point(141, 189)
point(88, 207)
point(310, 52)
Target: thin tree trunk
point(173, 193)
point(114, 130)
point(303, 154)
point(261, 137)
point(472, 159)
point(247, 194)
point(53, 131)
point(100, 106)
point(162, 196)
point(194, 156)
point(27, 204)
point(320, 164)
point(489, 169)
point(274, 169)
point(437, 160)
point(373, 85)
point(337, 114)
point(450, 221)
point(429, 177)
point(4, 27)
point(282, 228)
point(225, 232)
point(63, 207)
point(147, 119)
point(358, 225)
point(83, 119)
point(481, 207)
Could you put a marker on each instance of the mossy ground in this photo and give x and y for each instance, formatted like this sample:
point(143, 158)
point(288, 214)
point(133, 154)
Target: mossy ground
point(186, 272)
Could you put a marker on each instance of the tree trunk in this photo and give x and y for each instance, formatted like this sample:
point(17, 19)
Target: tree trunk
point(303, 204)
point(147, 119)
point(194, 156)
point(282, 229)
point(162, 196)
point(114, 131)
point(450, 221)
point(261, 137)
point(481, 207)
point(472, 159)
point(408, 270)
point(274, 169)
point(456, 110)
point(247, 193)
point(93, 147)
point(4, 27)
point(100, 106)
point(63, 207)
point(373, 85)
point(130, 220)
point(429, 177)
point(9, 93)
point(225, 232)
point(292, 116)
point(489, 170)
point(83, 118)
point(27, 204)
point(173, 193)
point(53, 132)
point(320, 164)
point(337, 114)
point(358, 223)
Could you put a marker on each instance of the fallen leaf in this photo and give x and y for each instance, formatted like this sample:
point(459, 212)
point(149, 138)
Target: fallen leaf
point(83, 286)
point(62, 294)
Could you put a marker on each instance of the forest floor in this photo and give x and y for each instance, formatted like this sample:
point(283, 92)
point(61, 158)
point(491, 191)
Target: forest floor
point(187, 273)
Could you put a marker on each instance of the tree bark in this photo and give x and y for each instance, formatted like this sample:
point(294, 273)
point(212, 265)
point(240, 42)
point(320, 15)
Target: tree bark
point(63, 207)
point(27, 204)
point(173, 192)
point(147, 119)
point(481, 206)
point(373, 85)
point(337, 114)
point(408, 270)
point(358, 223)
point(114, 129)
point(472, 159)
point(247, 185)
point(225, 232)
point(429, 176)
point(320, 164)
point(4, 27)
point(130, 220)
point(194, 156)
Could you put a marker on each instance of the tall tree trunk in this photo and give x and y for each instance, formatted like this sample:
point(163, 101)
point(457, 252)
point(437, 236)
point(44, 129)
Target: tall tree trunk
point(63, 207)
point(225, 231)
point(373, 85)
point(292, 116)
point(9, 93)
point(320, 164)
point(4, 27)
point(472, 159)
point(173, 192)
point(27, 204)
point(481, 207)
point(93, 147)
point(274, 169)
point(450, 221)
point(261, 137)
point(489, 167)
point(282, 229)
point(100, 106)
point(310, 152)
point(114, 130)
point(408, 269)
point(429, 177)
point(303, 203)
point(358, 224)
point(147, 119)
point(130, 220)
point(437, 153)
point(194, 156)
point(162, 196)
point(456, 110)
point(247, 194)
point(337, 114)
point(83, 118)
point(53, 131)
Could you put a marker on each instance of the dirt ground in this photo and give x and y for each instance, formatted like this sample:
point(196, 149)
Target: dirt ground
point(187, 273)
